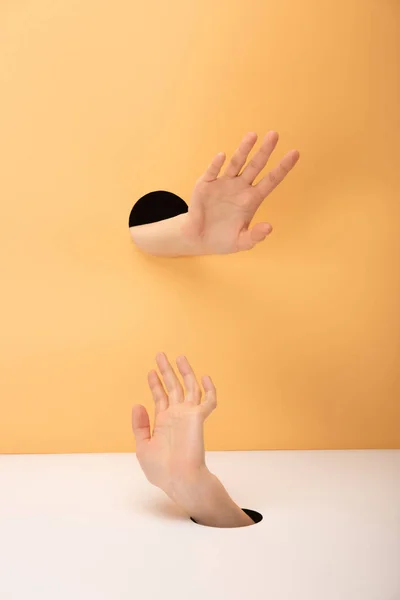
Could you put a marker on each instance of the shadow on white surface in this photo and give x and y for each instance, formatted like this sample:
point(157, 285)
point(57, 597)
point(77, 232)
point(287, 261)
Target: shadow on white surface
point(90, 527)
point(160, 508)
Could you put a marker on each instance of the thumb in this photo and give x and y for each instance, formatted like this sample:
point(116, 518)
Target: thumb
point(248, 239)
point(140, 424)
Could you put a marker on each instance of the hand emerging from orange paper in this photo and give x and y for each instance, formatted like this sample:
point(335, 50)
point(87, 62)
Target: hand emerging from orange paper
point(223, 205)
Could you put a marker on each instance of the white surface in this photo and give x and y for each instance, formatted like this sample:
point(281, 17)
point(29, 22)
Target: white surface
point(90, 527)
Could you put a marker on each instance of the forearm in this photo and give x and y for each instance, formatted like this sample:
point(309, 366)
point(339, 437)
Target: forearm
point(205, 499)
point(164, 238)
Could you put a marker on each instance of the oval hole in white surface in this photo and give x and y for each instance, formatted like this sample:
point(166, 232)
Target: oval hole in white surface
point(253, 514)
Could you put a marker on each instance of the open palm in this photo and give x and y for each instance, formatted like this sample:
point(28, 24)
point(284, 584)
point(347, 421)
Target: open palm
point(175, 449)
point(222, 207)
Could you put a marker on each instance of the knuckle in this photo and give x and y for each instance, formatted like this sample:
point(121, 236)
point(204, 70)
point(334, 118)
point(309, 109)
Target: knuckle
point(254, 163)
point(284, 170)
point(272, 177)
point(235, 161)
point(213, 400)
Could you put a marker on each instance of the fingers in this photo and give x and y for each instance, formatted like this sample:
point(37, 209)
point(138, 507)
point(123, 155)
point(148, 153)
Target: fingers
point(210, 400)
point(256, 164)
point(159, 396)
point(248, 239)
point(174, 388)
point(171, 381)
point(260, 159)
point(140, 424)
point(240, 156)
point(214, 168)
point(193, 391)
point(278, 174)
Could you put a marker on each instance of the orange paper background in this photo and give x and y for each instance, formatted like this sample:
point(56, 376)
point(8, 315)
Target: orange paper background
point(102, 102)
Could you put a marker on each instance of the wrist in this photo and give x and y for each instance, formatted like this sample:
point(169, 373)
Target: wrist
point(203, 497)
point(166, 238)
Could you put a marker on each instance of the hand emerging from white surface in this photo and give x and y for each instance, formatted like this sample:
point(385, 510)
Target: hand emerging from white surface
point(175, 450)
point(172, 456)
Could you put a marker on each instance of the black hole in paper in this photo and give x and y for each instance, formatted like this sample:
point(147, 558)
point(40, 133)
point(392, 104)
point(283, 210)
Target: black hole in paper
point(156, 206)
